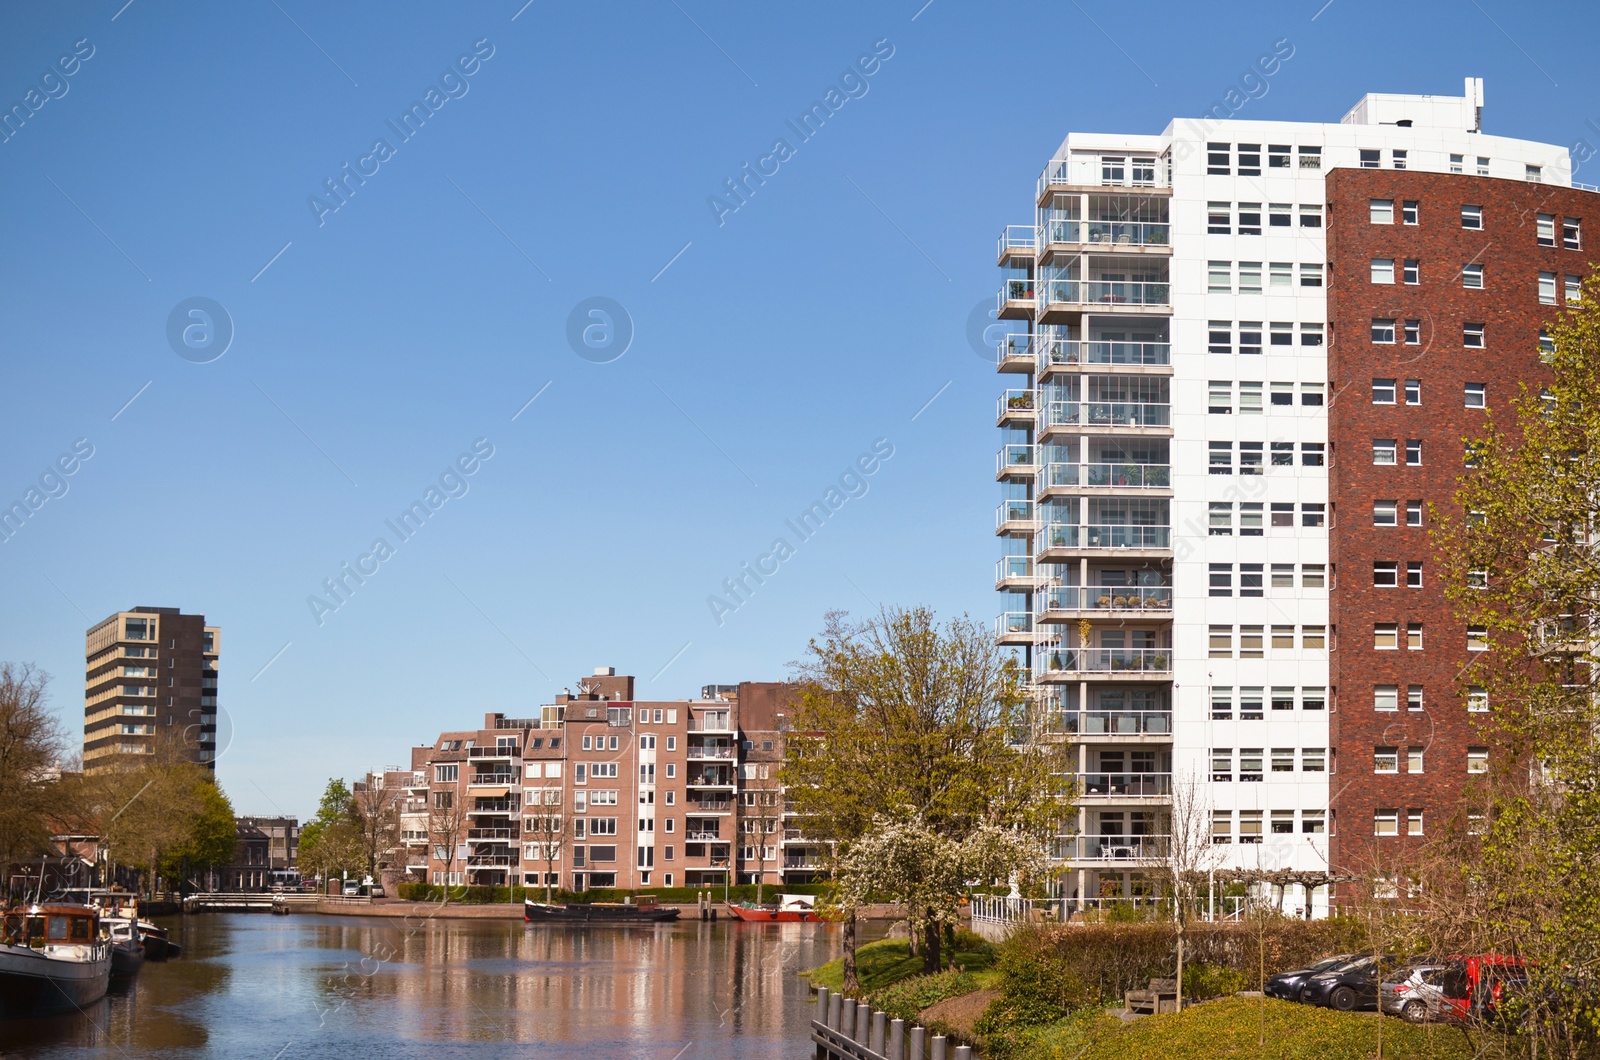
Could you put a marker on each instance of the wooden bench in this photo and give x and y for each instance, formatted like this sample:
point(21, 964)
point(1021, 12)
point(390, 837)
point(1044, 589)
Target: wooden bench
point(1161, 997)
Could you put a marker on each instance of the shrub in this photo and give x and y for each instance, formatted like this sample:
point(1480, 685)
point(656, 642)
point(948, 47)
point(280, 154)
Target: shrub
point(1037, 986)
point(1202, 981)
point(907, 998)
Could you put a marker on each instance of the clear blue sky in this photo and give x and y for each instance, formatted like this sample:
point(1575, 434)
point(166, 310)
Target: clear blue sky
point(429, 308)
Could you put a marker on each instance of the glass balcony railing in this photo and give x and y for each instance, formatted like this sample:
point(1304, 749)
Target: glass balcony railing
point(1015, 238)
point(1128, 476)
point(1016, 291)
point(1072, 351)
point(1104, 660)
point(1070, 535)
point(1105, 233)
point(1102, 292)
point(1017, 346)
point(1013, 568)
point(1106, 414)
point(1111, 848)
point(1103, 598)
point(1016, 458)
point(1125, 785)
point(1012, 623)
point(1013, 512)
point(1014, 403)
point(1113, 723)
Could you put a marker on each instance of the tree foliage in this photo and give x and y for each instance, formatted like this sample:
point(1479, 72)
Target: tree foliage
point(31, 744)
point(331, 843)
point(160, 813)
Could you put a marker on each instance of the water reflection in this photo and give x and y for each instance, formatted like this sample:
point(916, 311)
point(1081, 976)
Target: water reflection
point(252, 985)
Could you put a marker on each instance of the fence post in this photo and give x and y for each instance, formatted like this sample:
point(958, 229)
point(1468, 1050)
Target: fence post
point(897, 1039)
point(919, 1037)
point(822, 1005)
point(940, 1042)
point(863, 1023)
point(847, 1018)
point(835, 1007)
point(963, 1052)
point(875, 1041)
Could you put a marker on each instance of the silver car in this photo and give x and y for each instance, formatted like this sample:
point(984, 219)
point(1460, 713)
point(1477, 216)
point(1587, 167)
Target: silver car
point(1417, 991)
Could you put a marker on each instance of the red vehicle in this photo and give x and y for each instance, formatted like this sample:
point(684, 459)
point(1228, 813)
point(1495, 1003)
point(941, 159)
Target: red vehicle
point(1477, 987)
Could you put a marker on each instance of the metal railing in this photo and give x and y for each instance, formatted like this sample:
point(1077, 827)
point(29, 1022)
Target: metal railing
point(492, 752)
point(483, 861)
point(1013, 622)
point(1052, 351)
point(1106, 414)
point(697, 725)
point(1013, 512)
point(1127, 476)
point(1100, 292)
point(1018, 457)
point(1125, 785)
point(1013, 403)
point(1008, 568)
point(505, 777)
point(1113, 722)
point(1123, 848)
point(492, 833)
point(1063, 535)
point(1103, 598)
point(495, 806)
point(710, 805)
point(1104, 233)
point(1016, 291)
point(1015, 237)
point(1103, 660)
point(710, 752)
point(702, 837)
point(1018, 345)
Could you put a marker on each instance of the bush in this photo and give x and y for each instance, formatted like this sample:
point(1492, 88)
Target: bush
point(1037, 986)
point(907, 998)
point(1201, 981)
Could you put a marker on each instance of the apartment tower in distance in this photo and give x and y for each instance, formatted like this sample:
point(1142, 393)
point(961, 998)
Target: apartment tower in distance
point(1245, 357)
point(150, 676)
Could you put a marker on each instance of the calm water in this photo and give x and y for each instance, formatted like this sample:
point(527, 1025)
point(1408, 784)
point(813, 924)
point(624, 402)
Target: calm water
point(252, 985)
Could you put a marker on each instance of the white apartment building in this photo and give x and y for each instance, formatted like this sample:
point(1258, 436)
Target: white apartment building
point(1165, 467)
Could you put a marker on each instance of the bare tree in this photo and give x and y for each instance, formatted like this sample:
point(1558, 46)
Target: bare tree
point(1187, 855)
point(447, 824)
point(545, 831)
point(375, 811)
point(760, 825)
point(31, 744)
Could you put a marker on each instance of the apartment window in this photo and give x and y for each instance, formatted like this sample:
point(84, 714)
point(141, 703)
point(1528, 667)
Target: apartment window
point(1280, 215)
point(1310, 157)
point(1397, 157)
point(1250, 704)
point(1250, 642)
point(1408, 211)
point(1414, 574)
point(1455, 163)
point(1249, 276)
point(1112, 169)
point(1477, 699)
point(1249, 337)
point(1277, 156)
point(1221, 583)
point(1383, 391)
point(1250, 519)
point(1282, 454)
point(1283, 637)
point(1385, 636)
point(1384, 513)
point(1249, 218)
point(1385, 574)
point(1222, 764)
point(1570, 235)
point(1383, 451)
point(1414, 760)
point(1472, 216)
point(1547, 288)
point(1219, 277)
point(1281, 334)
point(1380, 211)
point(1311, 274)
point(1472, 276)
point(1219, 218)
point(1411, 272)
point(446, 774)
point(1220, 516)
point(1312, 821)
point(1282, 514)
point(1477, 638)
point(1483, 166)
point(1222, 703)
point(1385, 822)
point(1574, 288)
point(1221, 457)
point(1413, 513)
point(1311, 393)
point(1250, 454)
point(1220, 336)
point(1386, 698)
point(1282, 821)
point(1222, 826)
point(1249, 160)
point(1280, 274)
point(1313, 638)
point(1413, 332)
point(1221, 642)
point(1217, 159)
point(1250, 760)
point(1383, 272)
point(1472, 336)
point(1369, 158)
point(1477, 579)
point(1547, 345)
point(1383, 330)
point(1313, 514)
point(1477, 760)
point(1413, 636)
point(1533, 173)
point(1220, 397)
point(1249, 825)
point(1311, 334)
point(1283, 575)
point(1283, 393)
point(1545, 230)
point(1313, 697)
point(1414, 452)
point(1386, 759)
point(1311, 215)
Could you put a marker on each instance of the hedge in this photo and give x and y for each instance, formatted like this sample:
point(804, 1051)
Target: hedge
point(746, 892)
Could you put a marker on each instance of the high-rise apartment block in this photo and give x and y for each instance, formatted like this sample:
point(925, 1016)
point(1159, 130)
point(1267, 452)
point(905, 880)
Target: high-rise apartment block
point(150, 676)
point(1246, 354)
point(602, 790)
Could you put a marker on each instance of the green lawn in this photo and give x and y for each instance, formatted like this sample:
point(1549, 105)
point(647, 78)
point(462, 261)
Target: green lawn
point(1233, 1028)
point(888, 961)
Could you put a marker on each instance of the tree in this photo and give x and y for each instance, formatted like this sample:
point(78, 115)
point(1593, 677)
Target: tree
point(447, 824)
point(212, 834)
point(375, 813)
point(544, 830)
point(331, 842)
point(31, 744)
point(901, 720)
point(1187, 855)
point(161, 813)
point(1522, 564)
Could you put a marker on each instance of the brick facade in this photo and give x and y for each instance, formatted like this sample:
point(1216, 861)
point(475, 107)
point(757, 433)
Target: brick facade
point(1509, 308)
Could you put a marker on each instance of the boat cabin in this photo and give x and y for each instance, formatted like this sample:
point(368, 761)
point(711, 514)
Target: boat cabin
point(51, 927)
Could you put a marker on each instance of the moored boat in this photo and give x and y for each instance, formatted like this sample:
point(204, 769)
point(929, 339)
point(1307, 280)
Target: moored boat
point(52, 959)
point(127, 949)
point(643, 910)
point(157, 946)
point(791, 909)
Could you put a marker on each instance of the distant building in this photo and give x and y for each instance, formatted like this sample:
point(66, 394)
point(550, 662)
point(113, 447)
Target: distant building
point(265, 852)
point(150, 671)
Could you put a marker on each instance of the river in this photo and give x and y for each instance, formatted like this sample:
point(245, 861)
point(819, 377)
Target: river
point(253, 985)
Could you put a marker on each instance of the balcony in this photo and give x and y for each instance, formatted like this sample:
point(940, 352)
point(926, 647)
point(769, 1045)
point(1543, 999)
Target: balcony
point(1015, 300)
point(1060, 300)
point(1112, 723)
point(496, 806)
point(719, 724)
point(1016, 241)
point(705, 751)
point(1108, 476)
point(496, 779)
point(1063, 353)
point(484, 861)
point(1014, 627)
point(506, 753)
point(1013, 572)
point(1058, 602)
point(1066, 537)
point(1098, 173)
point(1014, 408)
point(802, 861)
point(1105, 235)
point(1112, 414)
point(710, 778)
point(1123, 849)
point(492, 833)
point(1120, 786)
point(711, 805)
point(1014, 517)
point(1014, 353)
point(702, 837)
point(1118, 662)
point(1015, 461)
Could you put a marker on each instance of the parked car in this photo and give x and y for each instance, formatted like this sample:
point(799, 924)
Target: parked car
point(1286, 985)
point(1416, 991)
point(1350, 986)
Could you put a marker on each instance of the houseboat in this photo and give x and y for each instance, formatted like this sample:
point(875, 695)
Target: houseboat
point(52, 959)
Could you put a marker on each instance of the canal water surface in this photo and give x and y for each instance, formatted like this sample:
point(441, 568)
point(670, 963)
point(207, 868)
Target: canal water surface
point(251, 985)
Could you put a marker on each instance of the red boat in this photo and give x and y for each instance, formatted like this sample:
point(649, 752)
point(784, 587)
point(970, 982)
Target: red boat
point(791, 909)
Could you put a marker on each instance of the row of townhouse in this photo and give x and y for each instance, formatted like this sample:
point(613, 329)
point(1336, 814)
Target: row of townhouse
point(602, 790)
